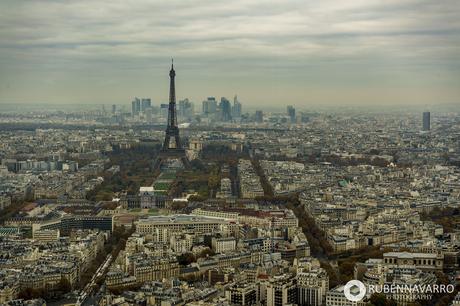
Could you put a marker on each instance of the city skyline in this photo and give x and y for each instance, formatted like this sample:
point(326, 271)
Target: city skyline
point(295, 53)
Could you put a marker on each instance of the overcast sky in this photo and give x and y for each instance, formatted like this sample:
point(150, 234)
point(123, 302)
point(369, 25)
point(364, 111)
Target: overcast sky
point(300, 52)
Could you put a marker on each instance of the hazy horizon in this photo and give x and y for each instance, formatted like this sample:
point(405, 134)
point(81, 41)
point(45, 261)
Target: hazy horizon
point(304, 53)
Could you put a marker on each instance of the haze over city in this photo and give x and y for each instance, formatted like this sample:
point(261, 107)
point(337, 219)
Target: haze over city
point(305, 53)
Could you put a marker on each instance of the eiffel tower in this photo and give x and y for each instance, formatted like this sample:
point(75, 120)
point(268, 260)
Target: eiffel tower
point(172, 150)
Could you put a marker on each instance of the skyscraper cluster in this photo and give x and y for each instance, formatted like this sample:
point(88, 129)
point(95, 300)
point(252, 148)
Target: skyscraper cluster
point(185, 109)
point(140, 106)
point(209, 106)
point(223, 111)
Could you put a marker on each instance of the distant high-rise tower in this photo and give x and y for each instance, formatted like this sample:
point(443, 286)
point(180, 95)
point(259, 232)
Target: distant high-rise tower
point(186, 109)
point(209, 106)
point(164, 110)
point(259, 116)
point(426, 121)
point(291, 113)
point(172, 147)
point(146, 104)
point(135, 106)
point(225, 109)
point(237, 108)
point(205, 107)
point(114, 109)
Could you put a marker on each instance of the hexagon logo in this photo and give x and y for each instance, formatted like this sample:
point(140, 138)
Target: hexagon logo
point(354, 290)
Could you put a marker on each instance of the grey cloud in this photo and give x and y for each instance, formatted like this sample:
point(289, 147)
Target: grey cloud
point(244, 39)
